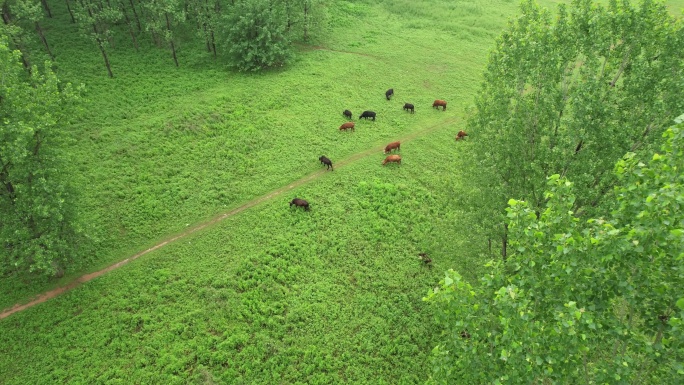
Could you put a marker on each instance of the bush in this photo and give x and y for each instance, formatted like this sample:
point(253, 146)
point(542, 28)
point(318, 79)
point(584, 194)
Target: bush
point(257, 35)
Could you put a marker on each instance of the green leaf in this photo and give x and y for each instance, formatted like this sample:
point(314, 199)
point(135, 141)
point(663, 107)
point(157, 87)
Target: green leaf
point(680, 303)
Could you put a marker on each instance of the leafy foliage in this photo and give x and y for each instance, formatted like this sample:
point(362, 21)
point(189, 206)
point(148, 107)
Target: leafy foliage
point(95, 21)
point(570, 95)
point(577, 302)
point(37, 230)
point(256, 35)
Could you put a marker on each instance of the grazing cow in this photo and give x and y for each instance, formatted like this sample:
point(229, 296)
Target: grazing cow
point(461, 135)
point(392, 146)
point(392, 158)
point(389, 93)
point(326, 162)
point(347, 114)
point(367, 114)
point(439, 103)
point(300, 203)
point(409, 106)
point(347, 126)
point(425, 259)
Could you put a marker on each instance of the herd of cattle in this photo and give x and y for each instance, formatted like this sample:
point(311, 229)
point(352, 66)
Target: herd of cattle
point(394, 158)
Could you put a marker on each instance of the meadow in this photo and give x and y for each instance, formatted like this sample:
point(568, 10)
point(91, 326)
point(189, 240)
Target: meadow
point(272, 294)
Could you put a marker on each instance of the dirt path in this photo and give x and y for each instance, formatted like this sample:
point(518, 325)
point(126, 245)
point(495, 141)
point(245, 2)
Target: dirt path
point(87, 277)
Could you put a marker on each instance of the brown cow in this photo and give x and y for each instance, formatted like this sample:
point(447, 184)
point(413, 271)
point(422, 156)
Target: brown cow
point(300, 203)
point(392, 158)
point(461, 134)
point(427, 260)
point(439, 103)
point(347, 126)
point(392, 146)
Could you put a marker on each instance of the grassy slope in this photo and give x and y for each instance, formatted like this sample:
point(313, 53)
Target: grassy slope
point(269, 295)
point(175, 146)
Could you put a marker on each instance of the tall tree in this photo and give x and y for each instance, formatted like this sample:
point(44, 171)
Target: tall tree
point(207, 13)
point(94, 20)
point(160, 18)
point(37, 231)
point(577, 302)
point(19, 18)
point(29, 14)
point(301, 16)
point(129, 23)
point(569, 95)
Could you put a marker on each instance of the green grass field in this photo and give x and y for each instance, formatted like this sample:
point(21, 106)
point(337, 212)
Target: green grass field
point(272, 294)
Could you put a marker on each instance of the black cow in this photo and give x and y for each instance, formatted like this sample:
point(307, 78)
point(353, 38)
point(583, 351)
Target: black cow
point(300, 203)
point(326, 162)
point(367, 114)
point(347, 114)
point(389, 93)
point(409, 106)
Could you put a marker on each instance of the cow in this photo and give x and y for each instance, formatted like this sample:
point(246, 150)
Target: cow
point(392, 158)
point(389, 93)
point(392, 146)
point(426, 260)
point(324, 160)
point(461, 135)
point(367, 114)
point(347, 126)
point(439, 103)
point(300, 203)
point(409, 106)
point(347, 114)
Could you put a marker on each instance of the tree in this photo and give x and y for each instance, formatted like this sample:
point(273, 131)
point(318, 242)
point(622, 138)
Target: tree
point(301, 16)
point(570, 95)
point(31, 14)
point(207, 13)
point(256, 35)
point(577, 301)
point(19, 17)
point(161, 15)
point(37, 230)
point(94, 20)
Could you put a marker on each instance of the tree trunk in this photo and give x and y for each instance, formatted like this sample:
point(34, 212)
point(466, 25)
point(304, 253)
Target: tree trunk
point(173, 48)
point(173, 52)
point(135, 13)
point(306, 21)
point(135, 41)
point(73, 21)
point(44, 40)
point(504, 242)
point(155, 39)
point(206, 39)
point(104, 55)
point(7, 19)
point(125, 14)
point(128, 23)
point(47, 8)
point(7, 183)
point(213, 43)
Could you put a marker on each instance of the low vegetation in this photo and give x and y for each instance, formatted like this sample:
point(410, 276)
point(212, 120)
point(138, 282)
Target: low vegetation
point(275, 294)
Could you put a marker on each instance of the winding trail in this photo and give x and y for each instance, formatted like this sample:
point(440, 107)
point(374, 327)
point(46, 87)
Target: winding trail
point(87, 277)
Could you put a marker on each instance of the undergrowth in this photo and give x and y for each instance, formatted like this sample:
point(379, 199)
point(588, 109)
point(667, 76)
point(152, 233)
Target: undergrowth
point(274, 294)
